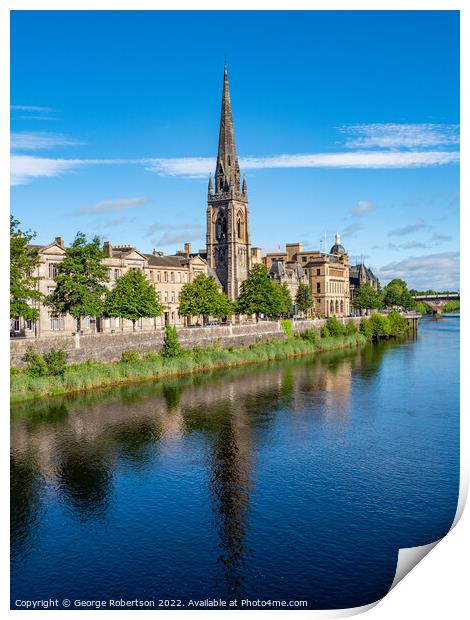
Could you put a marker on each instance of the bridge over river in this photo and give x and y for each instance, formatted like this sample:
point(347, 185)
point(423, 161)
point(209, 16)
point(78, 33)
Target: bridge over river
point(438, 301)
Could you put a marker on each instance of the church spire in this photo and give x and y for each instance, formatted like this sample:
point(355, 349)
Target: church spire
point(227, 174)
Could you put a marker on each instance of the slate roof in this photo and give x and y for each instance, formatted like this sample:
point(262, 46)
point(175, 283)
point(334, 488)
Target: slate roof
point(174, 262)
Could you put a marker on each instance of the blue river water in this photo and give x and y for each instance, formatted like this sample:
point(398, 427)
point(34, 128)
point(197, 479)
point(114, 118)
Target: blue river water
point(294, 481)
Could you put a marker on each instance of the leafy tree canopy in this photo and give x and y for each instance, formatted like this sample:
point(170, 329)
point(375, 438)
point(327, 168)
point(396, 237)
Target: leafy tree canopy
point(396, 293)
point(202, 297)
point(133, 298)
point(367, 298)
point(258, 294)
point(80, 280)
point(284, 303)
point(23, 262)
point(303, 298)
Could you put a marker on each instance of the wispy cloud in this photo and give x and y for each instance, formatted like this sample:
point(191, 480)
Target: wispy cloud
point(408, 245)
point(36, 140)
point(33, 112)
point(170, 238)
point(201, 166)
point(115, 205)
point(436, 271)
point(161, 226)
point(438, 238)
point(351, 230)
point(420, 224)
point(362, 208)
point(25, 168)
point(401, 135)
point(30, 108)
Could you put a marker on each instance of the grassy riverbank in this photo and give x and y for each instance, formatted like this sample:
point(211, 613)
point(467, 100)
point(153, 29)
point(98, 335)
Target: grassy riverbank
point(41, 380)
point(91, 375)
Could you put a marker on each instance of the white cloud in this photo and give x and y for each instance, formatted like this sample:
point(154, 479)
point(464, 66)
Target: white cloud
point(170, 238)
point(435, 271)
point(408, 245)
point(115, 205)
point(201, 166)
point(159, 226)
point(410, 228)
point(30, 108)
point(25, 168)
point(191, 167)
point(36, 140)
point(438, 238)
point(351, 230)
point(362, 208)
point(397, 135)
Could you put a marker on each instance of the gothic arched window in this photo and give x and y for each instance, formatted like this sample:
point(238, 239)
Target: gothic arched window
point(221, 228)
point(240, 227)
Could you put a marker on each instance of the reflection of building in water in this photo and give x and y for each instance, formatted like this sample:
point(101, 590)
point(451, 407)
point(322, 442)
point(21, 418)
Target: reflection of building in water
point(75, 444)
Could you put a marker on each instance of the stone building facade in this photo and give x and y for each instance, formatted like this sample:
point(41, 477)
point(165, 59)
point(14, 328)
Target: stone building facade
point(327, 275)
point(358, 276)
point(291, 274)
point(167, 274)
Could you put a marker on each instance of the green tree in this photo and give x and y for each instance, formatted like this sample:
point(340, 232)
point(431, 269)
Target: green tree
point(133, 298)
point(367, 298)
point(258, 294)
point(171, 346)
point(202, 297)
point(284, 299)
point(396, 294)
point(23, 262)
point(80, 280)
point(303, 298)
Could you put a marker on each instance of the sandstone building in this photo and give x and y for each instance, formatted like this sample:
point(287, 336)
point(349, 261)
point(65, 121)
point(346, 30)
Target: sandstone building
point(327, 275)
point(358, 276)
point(168, 274)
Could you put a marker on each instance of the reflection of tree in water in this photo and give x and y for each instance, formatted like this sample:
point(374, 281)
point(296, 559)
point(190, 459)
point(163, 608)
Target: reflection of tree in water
point(135, 441)
point(84, 476)
point(25, 482)
point(172, 394)
point(52, 412)
point(369, 357)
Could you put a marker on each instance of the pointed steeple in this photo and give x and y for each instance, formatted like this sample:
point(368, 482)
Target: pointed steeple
point(210, 188)
point(227, 174)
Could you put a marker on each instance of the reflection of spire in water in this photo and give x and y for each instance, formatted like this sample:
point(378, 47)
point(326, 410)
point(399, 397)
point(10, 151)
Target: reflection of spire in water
point(231, 469)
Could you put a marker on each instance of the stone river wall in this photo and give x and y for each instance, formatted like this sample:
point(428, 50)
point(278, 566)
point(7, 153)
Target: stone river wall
point(109, 347)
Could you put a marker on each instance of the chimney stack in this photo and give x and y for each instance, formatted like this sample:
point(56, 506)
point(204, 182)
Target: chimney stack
point(59, 241)
point(187, 249)
point(108, 249)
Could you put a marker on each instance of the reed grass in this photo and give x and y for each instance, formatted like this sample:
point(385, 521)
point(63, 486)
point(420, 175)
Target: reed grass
point(87, 376)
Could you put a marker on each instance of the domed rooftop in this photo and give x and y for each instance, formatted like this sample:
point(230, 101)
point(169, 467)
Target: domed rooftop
point(337, 248)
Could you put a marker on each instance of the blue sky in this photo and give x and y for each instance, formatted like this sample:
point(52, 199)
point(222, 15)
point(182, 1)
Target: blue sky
point(344, 121)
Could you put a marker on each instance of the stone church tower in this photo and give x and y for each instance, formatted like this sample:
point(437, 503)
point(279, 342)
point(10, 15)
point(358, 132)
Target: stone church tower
point(228, 230)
